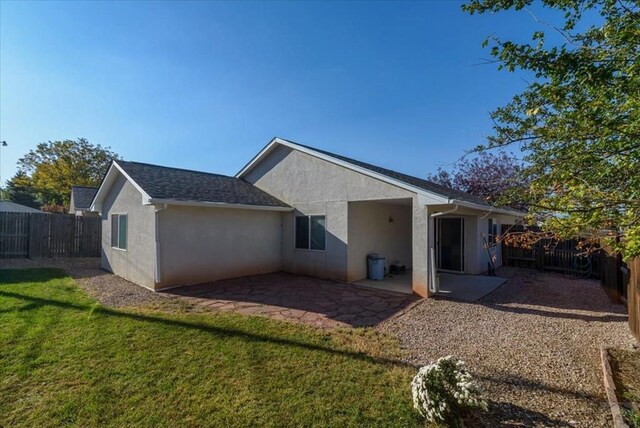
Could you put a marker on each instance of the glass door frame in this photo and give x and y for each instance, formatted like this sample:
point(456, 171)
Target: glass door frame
point(438, 230)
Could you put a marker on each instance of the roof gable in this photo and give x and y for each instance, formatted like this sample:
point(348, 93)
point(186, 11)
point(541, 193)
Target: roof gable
point(82, 196)
point(406, 181)
point(434, 193)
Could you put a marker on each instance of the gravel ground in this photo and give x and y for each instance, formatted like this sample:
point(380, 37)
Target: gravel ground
point(107, 288)
point(533, 345)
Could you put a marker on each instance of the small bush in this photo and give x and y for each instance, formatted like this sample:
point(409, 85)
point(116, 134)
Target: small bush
point(443, 390)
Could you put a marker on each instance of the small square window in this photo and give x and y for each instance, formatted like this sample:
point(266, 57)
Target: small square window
point(310, 232)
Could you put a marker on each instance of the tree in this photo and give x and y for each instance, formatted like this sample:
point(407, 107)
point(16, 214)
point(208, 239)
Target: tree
point(578, 121)
point(53, 167)
point(20, 190)
point(488, 175)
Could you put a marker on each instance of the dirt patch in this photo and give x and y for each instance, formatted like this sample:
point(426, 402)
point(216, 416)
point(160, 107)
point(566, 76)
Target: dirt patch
point(625, 365)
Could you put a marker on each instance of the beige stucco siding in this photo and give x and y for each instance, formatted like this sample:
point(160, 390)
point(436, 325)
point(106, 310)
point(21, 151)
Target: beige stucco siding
point(382, 228)
point(137, 263)
point(199, 244)
point(296, 177)
point(314, 186)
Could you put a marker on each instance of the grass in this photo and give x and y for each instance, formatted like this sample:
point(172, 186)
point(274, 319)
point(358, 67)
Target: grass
point(625, 366)
point(66, 360)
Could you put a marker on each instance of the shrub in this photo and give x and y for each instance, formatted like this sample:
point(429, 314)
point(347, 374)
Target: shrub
point(443, 390)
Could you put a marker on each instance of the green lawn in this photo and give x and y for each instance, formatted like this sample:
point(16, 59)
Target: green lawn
point(66, 360)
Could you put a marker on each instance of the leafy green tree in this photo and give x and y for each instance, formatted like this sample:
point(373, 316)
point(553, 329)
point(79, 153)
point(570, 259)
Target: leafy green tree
point(20, 190)
point(578, 121)
point(53, 167)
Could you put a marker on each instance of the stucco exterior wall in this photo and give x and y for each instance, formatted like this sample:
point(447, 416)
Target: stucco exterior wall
point(423, 241)
point(137, 262)
point(201, 244)
point(382, 228)
point(314, 186)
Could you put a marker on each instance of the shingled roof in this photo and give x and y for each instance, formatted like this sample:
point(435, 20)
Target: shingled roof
point(175, 184)
point(82, 196)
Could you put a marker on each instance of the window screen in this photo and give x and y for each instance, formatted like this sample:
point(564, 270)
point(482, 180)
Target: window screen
point(492, 232)
point(114, 230)
point(122, 232)
point(318, 234)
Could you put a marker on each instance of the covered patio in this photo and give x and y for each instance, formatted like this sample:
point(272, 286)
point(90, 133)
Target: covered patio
point(382, 227)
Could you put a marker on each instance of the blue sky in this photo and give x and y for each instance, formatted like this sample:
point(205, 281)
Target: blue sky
point(205, 85)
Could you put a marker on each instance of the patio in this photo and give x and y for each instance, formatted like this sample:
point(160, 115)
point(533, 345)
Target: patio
point(468, 288)
point(297, 298)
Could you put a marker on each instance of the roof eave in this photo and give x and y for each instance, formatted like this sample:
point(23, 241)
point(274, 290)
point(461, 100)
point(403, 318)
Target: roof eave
point(161, 201)
point(487, 208)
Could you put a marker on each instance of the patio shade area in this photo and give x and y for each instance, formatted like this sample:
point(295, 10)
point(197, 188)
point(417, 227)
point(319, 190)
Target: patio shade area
point(400, 283)
point(467, 287)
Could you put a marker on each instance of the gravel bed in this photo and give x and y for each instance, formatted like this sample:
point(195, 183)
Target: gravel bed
point(105, 287)
point(533, 345)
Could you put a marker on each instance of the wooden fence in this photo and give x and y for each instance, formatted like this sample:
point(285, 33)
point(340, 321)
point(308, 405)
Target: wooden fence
point(633, 295)
point(36, 235)
point(621, 282)
point(549, 255)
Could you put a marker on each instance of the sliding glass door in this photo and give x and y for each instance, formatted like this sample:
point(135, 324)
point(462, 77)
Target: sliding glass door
point(450, 244)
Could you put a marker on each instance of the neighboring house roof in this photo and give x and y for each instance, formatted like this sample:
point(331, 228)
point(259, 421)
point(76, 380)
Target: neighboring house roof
point(164, 185)
point(415, 184)
point(12, 207)
point(82, 196)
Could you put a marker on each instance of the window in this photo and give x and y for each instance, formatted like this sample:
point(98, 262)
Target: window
point(311, 232)
point(119, 231)
point(492, 232)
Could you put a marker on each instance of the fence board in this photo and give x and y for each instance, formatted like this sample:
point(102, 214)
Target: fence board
point(36, 235)
point(633, 295)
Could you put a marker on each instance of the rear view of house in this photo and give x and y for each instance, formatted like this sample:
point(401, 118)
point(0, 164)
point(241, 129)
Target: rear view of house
point(292, 208)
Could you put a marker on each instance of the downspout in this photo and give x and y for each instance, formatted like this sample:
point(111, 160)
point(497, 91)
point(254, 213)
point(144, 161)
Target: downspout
point(158, 208)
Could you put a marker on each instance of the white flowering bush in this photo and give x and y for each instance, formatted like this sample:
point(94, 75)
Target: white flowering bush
point(444, 389)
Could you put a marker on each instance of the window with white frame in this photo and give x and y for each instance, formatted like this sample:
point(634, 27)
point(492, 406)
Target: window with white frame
point(119, 231)
point(310, 232)
point(492, 232)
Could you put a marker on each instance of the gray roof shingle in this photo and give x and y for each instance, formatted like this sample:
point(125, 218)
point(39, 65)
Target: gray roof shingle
point(161, 182)
point(12, 207)
point(83, 196)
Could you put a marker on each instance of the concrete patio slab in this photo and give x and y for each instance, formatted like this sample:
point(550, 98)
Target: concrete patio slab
point(468, 288)
point(398, 283)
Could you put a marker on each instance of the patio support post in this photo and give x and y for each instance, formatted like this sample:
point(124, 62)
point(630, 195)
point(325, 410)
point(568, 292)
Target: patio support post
point(420, 253)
